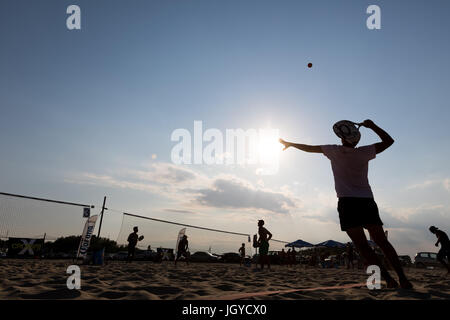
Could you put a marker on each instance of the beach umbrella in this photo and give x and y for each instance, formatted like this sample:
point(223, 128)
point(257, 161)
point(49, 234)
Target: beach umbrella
point(299, 244)
point(331, 244)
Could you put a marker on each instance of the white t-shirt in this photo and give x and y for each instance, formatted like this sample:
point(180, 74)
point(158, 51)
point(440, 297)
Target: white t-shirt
point(350, 167)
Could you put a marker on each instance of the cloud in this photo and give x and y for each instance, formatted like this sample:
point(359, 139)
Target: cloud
point(179, 211)
point(163, 173)
point(108, 181)
point(164, 179)
point(325, 215)
point(188, 188)
point(236, 193)
point(445, 183)
point(417, 218)
point(422, 185)
point(321, 206)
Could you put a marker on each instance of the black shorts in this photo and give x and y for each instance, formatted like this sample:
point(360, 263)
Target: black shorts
point(358, 212)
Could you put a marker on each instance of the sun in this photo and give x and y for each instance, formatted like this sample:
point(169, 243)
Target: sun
point(268, 146)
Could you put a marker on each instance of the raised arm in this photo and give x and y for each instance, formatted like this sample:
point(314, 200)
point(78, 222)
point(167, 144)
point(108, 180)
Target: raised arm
point(303, 147)
point(386, 139)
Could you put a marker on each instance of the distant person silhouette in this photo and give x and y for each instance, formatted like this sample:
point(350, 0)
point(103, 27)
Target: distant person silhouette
point(356, 206)
point(350, 255)
point(183, 247)
point(294, 256)
point(133, 239)
point(445, 247)
point(283, 257)
point(242, 254)
point(263, 244)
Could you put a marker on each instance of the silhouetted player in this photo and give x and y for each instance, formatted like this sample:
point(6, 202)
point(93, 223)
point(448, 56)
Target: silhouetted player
point(445, 247)
point(242, 254)
point(133, 239)
point(183, 247)
point(263, 244)
point(356, 206)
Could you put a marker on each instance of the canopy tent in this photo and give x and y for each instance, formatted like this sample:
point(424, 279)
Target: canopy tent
point(299, 244)
point(330, 244)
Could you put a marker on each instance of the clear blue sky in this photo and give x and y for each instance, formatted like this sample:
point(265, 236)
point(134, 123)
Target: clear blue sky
point(99, 102)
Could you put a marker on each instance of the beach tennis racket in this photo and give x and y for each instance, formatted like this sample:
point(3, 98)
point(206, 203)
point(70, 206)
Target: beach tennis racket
point(141, 238)
point(347, 130)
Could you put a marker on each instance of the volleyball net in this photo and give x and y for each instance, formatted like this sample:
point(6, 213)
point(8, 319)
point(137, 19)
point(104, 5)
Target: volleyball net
point(163, 233)
point(32, 217)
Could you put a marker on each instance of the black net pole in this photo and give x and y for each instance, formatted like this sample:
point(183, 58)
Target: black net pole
point(101, 218)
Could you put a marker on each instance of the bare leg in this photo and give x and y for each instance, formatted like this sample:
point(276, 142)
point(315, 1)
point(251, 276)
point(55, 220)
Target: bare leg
point(359, 239)
point(378, 235)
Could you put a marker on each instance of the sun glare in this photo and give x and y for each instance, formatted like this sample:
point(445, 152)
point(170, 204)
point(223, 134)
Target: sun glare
point(268, 146)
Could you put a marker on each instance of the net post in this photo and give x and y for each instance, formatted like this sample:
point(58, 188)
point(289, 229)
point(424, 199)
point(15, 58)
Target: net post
point(101, 218)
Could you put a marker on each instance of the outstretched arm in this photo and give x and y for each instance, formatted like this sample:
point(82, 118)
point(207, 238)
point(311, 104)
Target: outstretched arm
point(303, 147)
point(386, 139)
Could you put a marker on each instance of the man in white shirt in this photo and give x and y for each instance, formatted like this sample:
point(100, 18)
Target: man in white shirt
point(356, 206)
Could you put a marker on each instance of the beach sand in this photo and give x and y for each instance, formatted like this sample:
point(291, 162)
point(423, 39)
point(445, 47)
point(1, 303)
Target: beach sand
point(46, 279)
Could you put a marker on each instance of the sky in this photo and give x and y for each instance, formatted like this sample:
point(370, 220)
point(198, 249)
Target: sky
point(90, 113)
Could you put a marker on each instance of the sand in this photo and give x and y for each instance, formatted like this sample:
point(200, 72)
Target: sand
point(46, 279)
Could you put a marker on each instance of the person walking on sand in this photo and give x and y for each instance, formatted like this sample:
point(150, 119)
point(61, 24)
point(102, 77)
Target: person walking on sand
point(183, 247)
point(356, 205)
point(263, 244)
point(442, 238)
point(242, 254)
point(133, 239)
